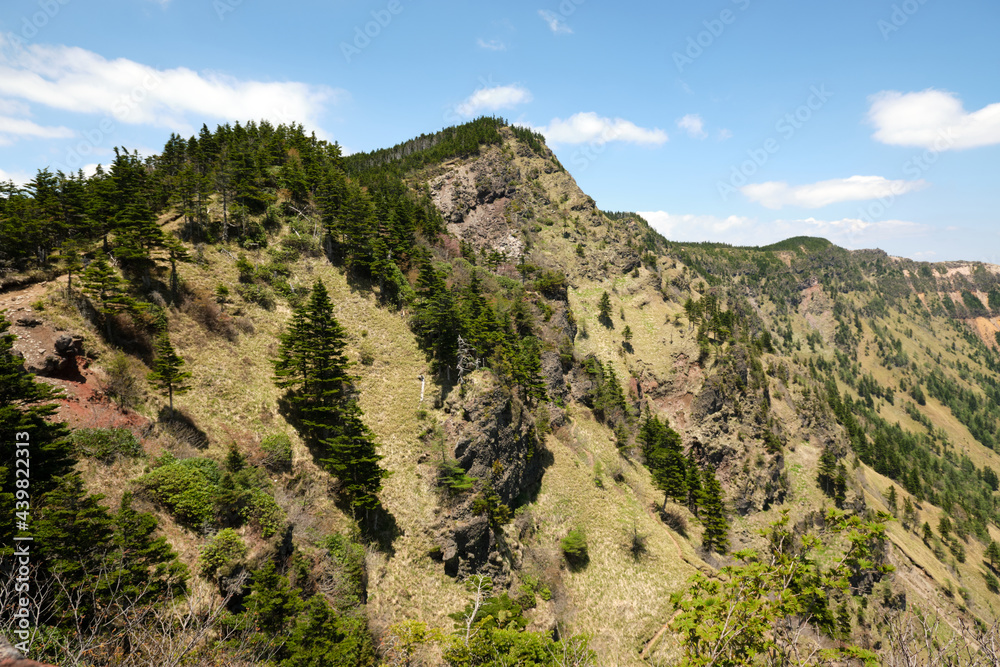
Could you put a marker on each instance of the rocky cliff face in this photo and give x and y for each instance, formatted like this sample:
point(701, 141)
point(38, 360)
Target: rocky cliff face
point(495, 440)
point(473, 199)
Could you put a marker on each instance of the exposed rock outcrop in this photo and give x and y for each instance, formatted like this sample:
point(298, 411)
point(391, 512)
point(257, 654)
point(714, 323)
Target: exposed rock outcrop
point(495, 441)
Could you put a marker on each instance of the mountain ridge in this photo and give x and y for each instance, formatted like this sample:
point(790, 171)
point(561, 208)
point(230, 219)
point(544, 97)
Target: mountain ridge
point(736, 347)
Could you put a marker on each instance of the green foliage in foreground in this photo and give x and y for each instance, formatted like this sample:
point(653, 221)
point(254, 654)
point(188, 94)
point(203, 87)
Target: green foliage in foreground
point(490, 633)
point(107, 444)
point(757, 610)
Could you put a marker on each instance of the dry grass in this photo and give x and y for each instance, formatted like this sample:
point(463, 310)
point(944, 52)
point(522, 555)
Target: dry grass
point(620, 601)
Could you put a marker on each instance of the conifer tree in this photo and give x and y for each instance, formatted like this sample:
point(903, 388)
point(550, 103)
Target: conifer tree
point(840, 486)
point(716, 537)
point(324, 637)
point(168, 374)
point(661, 446)
point(695, 490)
point(148, 568)
point(176, 252)
point(102, 284)
point(25, 407)
point(311, 364)
point(528, 370)
point(136, 230)
point(827, 474)
point(993, 554)
point(604, 309)
point(75, 534)
point(72, 263)
point(272, 600)
point(435, 319)
point(352, 458)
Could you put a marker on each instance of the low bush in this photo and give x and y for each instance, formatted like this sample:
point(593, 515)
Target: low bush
point(107, 445)
point(121, 382)
point(258, 294)
point(188, 489)
point(222, 553)
point(574, 548)
point(277, 451)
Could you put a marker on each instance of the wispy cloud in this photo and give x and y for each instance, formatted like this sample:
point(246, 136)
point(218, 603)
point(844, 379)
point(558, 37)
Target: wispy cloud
point(738, 230)
point(588, 127)
point(74, 79)
point(19, 177)
point(493, 99)
point(17, 128)
point(491, 45)
point(778, 194)
point(933, 119)
point(555, 22)
point(693, 125)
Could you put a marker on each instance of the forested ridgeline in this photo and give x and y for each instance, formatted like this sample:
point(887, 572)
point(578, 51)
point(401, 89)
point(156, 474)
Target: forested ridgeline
point(801, 328)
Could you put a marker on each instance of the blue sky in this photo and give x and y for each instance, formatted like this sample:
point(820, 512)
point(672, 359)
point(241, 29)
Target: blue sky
point(875, 123)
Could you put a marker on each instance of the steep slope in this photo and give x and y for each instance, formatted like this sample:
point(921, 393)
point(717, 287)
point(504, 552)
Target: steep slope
point(802, 375)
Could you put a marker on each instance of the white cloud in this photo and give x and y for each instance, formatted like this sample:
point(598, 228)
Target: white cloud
point(494, 99)
point(725, 134)
point(491, 45)
point(737, 230)
point(11, 128)
point(74, 79)
point(778, 194)
point(588, 127)
point(19, 177)
point(932, 119)
point(555, 22)
point(693, 125)
point(688, 227)
point(14, 108)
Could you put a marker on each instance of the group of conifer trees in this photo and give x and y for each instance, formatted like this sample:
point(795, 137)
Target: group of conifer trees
point(683, 480)
point(503, 341)
point(313, 368)
point(90, 566)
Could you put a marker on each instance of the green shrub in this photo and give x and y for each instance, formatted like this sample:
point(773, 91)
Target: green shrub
point(258, 294)
point(454, 478)
point(574, 548)
point(366, 354)
point(551, 283)
point(260, 508)
point(107, 445)
point(121, 382)
point(277, 450)
point(348, 558)
point(222, 553)
point(245, 268)
point(188, 489)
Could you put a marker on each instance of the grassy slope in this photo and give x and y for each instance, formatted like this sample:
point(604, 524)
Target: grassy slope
point(621, 602)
